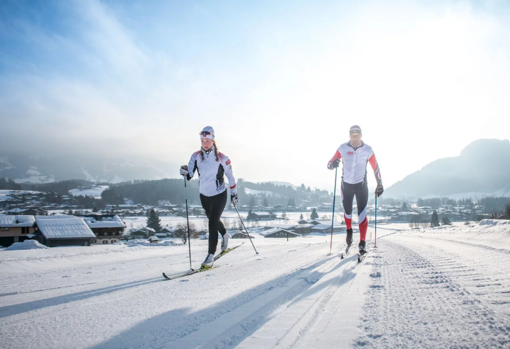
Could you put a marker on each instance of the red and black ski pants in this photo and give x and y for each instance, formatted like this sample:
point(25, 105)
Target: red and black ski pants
point(360, 190)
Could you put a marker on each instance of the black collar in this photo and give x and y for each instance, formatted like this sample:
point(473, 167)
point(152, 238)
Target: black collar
point(360, 145)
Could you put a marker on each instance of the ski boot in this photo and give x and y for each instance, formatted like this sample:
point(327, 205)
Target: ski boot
point(208, 262)
point(348, 238)
point(224, 241)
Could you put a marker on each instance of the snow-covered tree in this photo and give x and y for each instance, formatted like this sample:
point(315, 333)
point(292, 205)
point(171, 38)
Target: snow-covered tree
point(153, 220)
point(434, 222)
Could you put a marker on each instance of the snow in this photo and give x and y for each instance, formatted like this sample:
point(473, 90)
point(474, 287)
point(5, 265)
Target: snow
point(259, 192)
point(419, 288)
point(105, 222)
point(36, 179)
point(7, 194)
point(93, 191)
point(54, 227)
point(475, 195)
point(11, 221)
point(26, 245)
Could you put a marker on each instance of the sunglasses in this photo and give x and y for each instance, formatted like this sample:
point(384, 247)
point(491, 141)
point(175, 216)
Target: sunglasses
point(205, 133)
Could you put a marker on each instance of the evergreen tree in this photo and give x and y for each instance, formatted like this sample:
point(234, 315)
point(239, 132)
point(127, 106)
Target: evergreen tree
point(314, 214)
point(446, 221)
point(434, 222)
point(153, 220)
point(266, 204)
point(252, 202)
point(404, 206)
point(301, 217)
point(507, 210)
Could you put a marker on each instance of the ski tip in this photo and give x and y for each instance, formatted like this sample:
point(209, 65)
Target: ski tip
point(342, 256)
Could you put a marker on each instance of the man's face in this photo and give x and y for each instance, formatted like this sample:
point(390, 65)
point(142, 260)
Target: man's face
point(355, 139)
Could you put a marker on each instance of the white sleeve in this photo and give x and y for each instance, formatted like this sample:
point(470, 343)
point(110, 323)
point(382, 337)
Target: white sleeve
point(192, 165)
point(230, 174)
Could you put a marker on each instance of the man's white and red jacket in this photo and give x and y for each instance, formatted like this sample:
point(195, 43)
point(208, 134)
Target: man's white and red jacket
point(354, 169)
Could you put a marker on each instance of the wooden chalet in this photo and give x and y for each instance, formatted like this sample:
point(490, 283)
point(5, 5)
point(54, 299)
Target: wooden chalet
point(15, 228)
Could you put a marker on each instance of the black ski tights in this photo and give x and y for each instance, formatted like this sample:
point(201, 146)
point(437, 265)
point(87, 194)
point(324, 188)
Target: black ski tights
point(214, 206)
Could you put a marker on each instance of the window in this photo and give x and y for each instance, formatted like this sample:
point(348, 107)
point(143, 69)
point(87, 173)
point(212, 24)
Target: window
point(105, 241)
point(114, 241)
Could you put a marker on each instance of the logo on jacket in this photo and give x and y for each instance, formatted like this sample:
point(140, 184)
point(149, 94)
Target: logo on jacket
point(350, 153)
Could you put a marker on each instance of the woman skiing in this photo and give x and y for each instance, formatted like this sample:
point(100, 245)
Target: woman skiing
point(211, 166)
point(355, 155)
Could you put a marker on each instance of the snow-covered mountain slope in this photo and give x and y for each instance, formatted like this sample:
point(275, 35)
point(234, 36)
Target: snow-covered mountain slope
point(29, 169)
point(434, 288)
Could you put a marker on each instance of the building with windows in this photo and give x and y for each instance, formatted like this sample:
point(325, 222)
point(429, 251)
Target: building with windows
point(15, 228)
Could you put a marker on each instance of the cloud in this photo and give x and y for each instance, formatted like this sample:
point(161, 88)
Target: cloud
point(423, 80)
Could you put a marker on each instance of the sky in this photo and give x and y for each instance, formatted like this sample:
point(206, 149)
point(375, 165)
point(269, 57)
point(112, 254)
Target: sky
point(281, 82)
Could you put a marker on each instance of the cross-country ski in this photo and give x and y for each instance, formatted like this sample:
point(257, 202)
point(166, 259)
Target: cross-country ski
point(201, 269)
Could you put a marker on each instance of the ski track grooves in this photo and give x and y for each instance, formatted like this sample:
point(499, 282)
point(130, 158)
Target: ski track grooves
point(437, 289)
point(280, 314)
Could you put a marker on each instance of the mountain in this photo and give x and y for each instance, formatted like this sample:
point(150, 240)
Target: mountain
point(94, 168)
point(481, 169)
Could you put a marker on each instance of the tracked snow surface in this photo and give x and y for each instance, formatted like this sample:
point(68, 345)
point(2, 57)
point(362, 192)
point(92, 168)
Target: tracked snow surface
point(447, 287)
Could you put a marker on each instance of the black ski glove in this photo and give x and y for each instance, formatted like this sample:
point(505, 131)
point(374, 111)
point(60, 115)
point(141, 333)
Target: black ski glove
point(379, 190)
point(235, 199)
point(334, 164)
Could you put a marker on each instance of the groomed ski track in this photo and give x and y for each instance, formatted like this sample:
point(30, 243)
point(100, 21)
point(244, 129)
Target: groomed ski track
point(418, 289)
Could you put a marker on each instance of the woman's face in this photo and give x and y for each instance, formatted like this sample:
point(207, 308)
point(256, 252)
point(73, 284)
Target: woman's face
point(207, 143)
point(355, 139)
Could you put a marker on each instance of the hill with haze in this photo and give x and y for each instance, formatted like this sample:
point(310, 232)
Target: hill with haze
point(481, 169)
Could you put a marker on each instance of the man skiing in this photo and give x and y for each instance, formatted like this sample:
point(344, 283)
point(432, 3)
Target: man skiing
point(355, 155)
point(211, 166)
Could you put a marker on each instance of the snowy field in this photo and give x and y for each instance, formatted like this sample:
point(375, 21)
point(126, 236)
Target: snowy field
point(92, 191)
point(447, 287)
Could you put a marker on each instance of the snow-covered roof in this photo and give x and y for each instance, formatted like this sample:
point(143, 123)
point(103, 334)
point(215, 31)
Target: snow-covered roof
point(105, 222)
point(323, 226)
point(11, 221)
point(63, 227)
point(276, 230)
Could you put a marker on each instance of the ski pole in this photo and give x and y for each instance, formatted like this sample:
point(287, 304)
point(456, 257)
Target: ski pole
point(187, 219)
point(375, 229)
point(245, 229)
point(333, 215)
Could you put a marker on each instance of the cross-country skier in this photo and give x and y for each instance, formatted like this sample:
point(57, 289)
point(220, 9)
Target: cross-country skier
point(211, 166)
point(355, 155)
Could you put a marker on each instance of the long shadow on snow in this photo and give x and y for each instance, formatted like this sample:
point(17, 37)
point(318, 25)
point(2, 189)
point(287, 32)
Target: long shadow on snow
point(68, 298)
point(163, 330)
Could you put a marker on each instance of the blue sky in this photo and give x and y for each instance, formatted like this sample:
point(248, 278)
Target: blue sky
point(280, 81)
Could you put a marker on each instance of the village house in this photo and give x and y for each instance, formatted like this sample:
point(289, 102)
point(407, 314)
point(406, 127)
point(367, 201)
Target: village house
point(279, 233)
point(142, 233)
point(262, 216)
point(153, 239)
point(15, 228)
point(63, 231)
point(326, 228)
point(107, 228)
point(238, 234)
